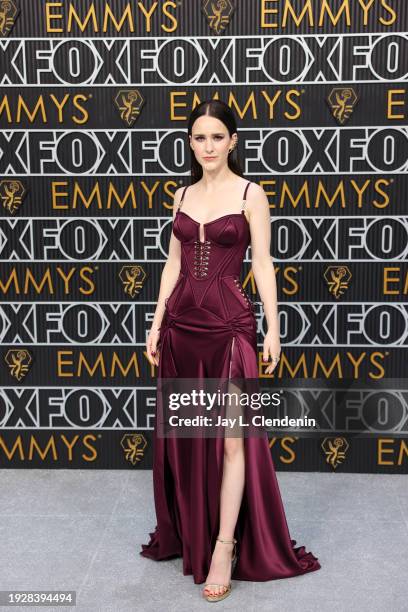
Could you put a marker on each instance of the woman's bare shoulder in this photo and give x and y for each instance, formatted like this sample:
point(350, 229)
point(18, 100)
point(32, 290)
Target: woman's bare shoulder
point(176, 199)
point(257, 202)
point(178, 192)
point(255, 189)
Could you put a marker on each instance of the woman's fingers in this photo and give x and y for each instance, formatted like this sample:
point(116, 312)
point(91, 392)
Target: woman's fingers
point(153, 358)
point(268, 354)
point(265, 352)
point(149, 356)
point(265, 357)
point(152, 351)
point(270, 368)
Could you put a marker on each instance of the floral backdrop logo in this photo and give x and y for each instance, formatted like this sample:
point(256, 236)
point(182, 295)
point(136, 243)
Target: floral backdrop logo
point(338, 279)
point(218, 13)
point(342, 101)
point(12, 193)
point(134, 446)
point(129, 102)
point(335, 450)
point(19, 362)
point(8, 14)
point(132, 278)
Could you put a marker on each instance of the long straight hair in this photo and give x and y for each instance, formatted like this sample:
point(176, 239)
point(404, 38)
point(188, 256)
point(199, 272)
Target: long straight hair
point(220, 110)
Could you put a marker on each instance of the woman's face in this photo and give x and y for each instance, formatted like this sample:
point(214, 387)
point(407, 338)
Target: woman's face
point(211, 142)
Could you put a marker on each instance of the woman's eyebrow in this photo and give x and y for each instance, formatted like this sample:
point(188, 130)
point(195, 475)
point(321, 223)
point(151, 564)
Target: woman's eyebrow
point(215, 134)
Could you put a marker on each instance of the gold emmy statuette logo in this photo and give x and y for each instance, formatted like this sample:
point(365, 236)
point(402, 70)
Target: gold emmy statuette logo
point(8, 15)
point(342, 101)
point(338, 279)
point(218, 13)
point(335, 450)
point(134, 446)
point(132, 278)
point(19, 362)
point(129, 102)
point(11, 195)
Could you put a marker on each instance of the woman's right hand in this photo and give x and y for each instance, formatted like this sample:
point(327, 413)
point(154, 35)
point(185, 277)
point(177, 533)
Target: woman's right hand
point(152, 346)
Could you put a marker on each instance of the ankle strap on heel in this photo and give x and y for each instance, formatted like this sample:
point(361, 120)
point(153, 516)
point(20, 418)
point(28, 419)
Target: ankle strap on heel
point(233, 541)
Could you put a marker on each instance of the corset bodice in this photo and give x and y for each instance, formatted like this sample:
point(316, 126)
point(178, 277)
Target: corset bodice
point(211, 265)
point(226, 240)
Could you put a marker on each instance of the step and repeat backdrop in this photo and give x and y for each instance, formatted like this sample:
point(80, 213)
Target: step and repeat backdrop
point(94, 102)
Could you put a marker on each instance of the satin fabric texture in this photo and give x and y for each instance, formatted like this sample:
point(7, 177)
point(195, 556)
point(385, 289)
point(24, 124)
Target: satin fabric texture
point(209, 329)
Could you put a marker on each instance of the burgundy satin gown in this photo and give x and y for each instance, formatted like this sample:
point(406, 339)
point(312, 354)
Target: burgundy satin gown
point(209, 329)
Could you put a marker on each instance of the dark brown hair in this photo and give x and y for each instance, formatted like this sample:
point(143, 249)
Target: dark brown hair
point(220, 110)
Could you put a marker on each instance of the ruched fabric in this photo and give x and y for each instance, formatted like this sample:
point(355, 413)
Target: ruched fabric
point(209, 330)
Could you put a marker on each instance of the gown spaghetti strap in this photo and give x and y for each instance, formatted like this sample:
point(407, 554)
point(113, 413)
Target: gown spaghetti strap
point(209, 330)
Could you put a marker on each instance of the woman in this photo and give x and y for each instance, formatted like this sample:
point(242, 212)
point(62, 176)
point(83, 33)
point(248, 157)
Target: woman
point(213, 493)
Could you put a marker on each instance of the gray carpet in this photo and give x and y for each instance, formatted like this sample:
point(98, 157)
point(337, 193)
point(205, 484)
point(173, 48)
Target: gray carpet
point(82, 530)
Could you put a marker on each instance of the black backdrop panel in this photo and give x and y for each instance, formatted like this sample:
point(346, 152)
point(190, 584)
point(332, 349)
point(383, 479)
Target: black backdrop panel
point(94, 101)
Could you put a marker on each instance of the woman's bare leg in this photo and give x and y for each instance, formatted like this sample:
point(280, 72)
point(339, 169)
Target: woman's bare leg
point(232, 488)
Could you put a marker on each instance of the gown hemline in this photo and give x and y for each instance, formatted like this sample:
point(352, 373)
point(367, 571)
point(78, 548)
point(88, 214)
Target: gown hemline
point(307, 559)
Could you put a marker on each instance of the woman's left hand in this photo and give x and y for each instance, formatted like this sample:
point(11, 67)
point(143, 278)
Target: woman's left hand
point(271, 349)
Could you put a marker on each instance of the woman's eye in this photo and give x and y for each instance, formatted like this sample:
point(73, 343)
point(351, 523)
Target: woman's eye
point(216, 137)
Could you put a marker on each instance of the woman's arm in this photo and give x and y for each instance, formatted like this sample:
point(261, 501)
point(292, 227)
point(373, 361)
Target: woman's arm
point(169, 276)
point(264, 273)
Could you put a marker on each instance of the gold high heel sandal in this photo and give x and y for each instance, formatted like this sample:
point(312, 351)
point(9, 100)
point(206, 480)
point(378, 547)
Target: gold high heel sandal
point(226, 586)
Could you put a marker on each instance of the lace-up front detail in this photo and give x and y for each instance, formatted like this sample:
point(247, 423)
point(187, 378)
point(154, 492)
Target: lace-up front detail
point(243, 293)
point(201, 257)
point(206, 247)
